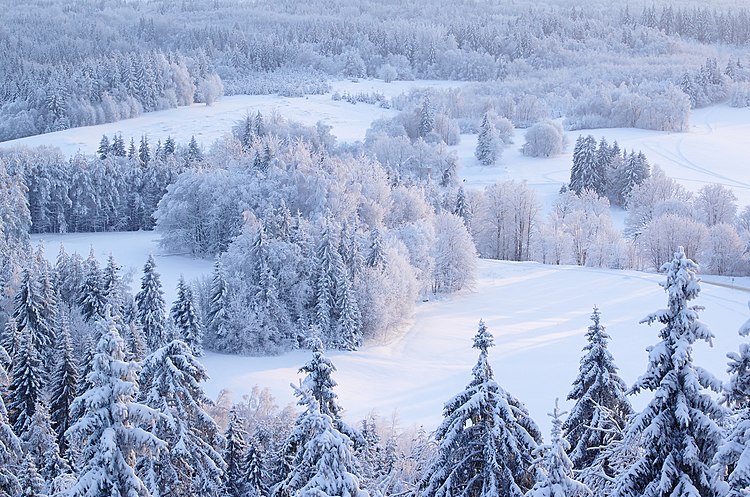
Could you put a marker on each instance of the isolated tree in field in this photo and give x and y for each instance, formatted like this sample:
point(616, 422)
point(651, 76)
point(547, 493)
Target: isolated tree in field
point(554, 469)
point(486, 439)
point(171, 386)
point(544, 139)
point(489, 148)
point(732, 461)
point(600, 409)
point(679, 429)
point(109, 433)
point(186, 319)
point(150, 307)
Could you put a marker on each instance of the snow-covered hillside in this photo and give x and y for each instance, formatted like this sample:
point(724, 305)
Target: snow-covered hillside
point(537, 313)
point(711, 151)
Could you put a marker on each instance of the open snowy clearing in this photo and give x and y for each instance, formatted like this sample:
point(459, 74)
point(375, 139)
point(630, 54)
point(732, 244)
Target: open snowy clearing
point(538, 315)
point(711, 151)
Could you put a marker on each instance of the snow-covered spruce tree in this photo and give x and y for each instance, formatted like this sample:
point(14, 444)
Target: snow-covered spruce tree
point(216, 318)
point(732, 460)
point(554, 470)
point(10, 447)
point(601, 408)
point(30, 314)
point(486, 439)
point(488, 149)
point(113, 287)
point(109, 433)
point(375, 257)
point(25, 389)
point(185, 317)
point(256, 476)
point(171, 386)
point(586, 172)
point(324, 466)
point(329, 276)
point(320, 384)
point(38, 441)
point(30, 481)
point(63, 388)
point(92, 299)
point(678, 429)
point(234, 453)
point(151, 308)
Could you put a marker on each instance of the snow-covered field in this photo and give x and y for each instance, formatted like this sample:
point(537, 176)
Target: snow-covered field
point(711, 151)
point(538, 314)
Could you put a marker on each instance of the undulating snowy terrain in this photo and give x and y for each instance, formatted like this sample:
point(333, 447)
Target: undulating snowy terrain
point(710, 152)
point(538, 314)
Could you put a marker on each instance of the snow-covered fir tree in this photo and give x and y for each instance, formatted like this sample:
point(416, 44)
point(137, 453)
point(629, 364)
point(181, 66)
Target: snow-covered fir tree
point(587, 173)
point(171, 378)
point(150, 305)
point(30, 481)
point(601, 408)
point(375, 256)
point(186, 319)
point(30, 313)
point(216, 318)
point(486, 440)
point(92, 299)
point(112, 433)
point(63, 387)
point(321, 384)
point(10, 447)
point(26, 387)
point(235, 450)
point(554, 470)
point(324, 466)
point(679, 429)
point(488, 149)
point(112, 286)
point(38, 440)
point(732, 460)
point(256, 476)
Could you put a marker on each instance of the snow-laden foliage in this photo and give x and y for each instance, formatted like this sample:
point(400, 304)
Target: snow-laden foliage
point(601, 408)
point(191, 464)
point(679, 430)
point(324, 464)
point(554, 470)
point(112, 433)
point(732, 460)
point(151, 311)
point(486, 439)
point(10, 446)
point(186, 320)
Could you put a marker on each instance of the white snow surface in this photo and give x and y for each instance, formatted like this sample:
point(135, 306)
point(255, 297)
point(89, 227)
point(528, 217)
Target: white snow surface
point(710, 151)
point(538, 314)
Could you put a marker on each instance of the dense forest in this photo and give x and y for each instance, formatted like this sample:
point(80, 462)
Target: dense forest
point(320, 245)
